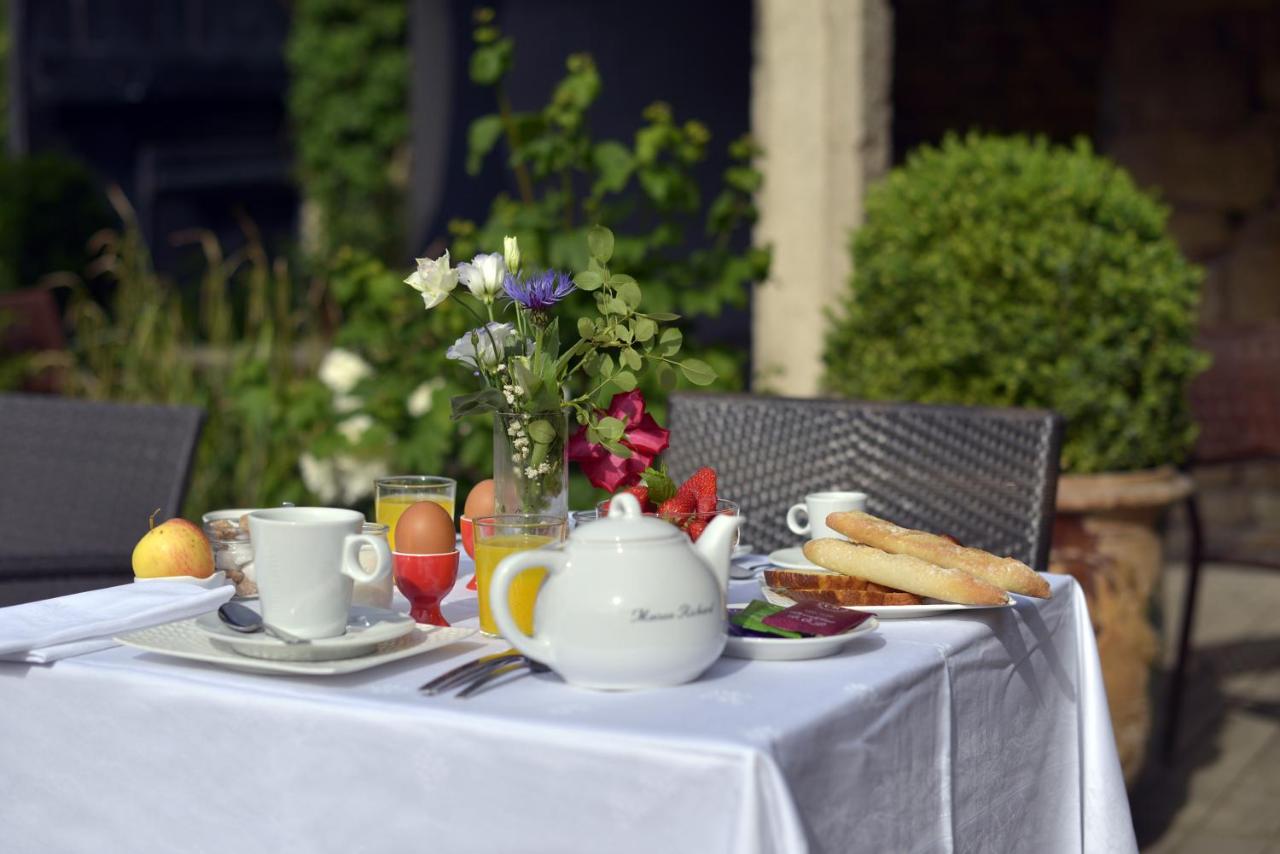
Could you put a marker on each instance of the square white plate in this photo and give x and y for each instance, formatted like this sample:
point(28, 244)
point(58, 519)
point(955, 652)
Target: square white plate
point(184, 639)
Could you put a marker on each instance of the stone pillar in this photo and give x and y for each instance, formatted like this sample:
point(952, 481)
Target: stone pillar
point(821, 110)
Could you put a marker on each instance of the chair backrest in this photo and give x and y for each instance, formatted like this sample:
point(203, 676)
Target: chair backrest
point(987, 477)
point(78, 479)
point(1236, 402)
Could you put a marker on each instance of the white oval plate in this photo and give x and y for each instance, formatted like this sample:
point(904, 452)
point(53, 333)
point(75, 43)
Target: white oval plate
point(366, 628)
point(795, 649)
point(930, 608)
point(217, 579)
point(183, 640)
point(792, 558)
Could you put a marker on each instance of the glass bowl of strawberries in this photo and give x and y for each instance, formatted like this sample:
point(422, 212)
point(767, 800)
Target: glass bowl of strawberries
point(690, 506)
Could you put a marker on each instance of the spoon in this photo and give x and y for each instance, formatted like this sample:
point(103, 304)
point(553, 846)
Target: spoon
point(240, 618)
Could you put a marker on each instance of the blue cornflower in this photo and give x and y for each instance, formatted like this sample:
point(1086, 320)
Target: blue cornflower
point(540, 291)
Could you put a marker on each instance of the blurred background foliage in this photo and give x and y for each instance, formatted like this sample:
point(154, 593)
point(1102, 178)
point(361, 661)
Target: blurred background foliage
point(321, 371)
point(1005, 271)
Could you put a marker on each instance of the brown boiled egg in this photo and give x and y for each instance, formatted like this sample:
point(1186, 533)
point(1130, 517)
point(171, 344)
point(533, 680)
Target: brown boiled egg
point(479, 500)
point(425, 528)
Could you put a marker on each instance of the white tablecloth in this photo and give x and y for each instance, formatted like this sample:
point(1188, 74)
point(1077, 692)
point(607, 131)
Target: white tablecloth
point(986, 732)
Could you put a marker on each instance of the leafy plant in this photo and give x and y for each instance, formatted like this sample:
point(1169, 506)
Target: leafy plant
point(685, 250)
point(348, 100)
point(1009, 272)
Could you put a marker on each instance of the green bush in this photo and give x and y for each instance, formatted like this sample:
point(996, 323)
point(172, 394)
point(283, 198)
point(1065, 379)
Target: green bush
point(348, 101)
point(1009, 272)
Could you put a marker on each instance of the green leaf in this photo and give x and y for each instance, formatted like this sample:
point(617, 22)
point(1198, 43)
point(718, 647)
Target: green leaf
point(667, 378)
point(644, 329)
point(586, 328)
point(626, 381)
point(662, 316)
point(611, 428)
point(669, 342)
point(477, 401)
point(600, 243)
point(482, 136)
point(613, 163)
point(619, 450)
point(617, 306)
point(541, 431)
point(606, 365)
point(697, 372)
point(631, 359)
point(629, 293)
point(661, 486)
point(588, 280)
point(489, 62)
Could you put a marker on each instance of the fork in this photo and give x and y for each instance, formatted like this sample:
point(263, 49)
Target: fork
point(510, 667)
point(471, 669)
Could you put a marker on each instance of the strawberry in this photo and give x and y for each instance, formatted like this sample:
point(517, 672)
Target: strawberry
point(707, 503)
point(696, 527)
point(642, 495)
point(703, 482)
point(681, 505)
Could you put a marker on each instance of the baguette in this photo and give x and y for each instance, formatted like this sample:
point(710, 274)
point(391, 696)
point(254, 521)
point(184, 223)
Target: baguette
point(1003, 572)
point(903, 572)
point(882, 596)
point(807, 579)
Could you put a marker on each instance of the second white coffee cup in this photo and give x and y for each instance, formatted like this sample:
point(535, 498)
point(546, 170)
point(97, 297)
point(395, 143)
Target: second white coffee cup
point(306, 560)
point(816, 507)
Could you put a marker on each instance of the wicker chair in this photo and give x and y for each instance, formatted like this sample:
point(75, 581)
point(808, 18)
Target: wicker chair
point(79, 480)
point(985, 476)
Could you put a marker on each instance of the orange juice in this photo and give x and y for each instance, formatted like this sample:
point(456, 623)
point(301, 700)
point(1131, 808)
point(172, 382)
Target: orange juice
point(524, 589)
point(390, 508)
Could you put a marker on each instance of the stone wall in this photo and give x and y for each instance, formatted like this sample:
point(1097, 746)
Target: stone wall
point(1191, 101)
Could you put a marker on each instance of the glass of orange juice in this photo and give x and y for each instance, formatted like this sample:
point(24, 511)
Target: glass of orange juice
point(499, 536)
point(394, 495)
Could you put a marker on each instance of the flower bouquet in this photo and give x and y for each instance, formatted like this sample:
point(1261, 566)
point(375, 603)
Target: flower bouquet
point(533, 385)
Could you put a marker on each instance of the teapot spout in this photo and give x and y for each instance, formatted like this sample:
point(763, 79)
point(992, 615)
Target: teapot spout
point(716, 546)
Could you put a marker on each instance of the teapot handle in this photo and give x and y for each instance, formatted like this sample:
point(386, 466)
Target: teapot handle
point(537, 648)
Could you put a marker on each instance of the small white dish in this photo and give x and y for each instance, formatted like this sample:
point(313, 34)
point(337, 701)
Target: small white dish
point(739, 551)
point(792, 558)
point(366, 628)
point(183, 640)
point(795, 649)
point(217, 579)
point(930, 608)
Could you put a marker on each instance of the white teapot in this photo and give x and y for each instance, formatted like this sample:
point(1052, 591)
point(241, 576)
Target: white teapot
point(629, 602)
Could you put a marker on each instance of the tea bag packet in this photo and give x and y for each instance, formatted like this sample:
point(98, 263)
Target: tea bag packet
point(814, 619)
point(749, 621)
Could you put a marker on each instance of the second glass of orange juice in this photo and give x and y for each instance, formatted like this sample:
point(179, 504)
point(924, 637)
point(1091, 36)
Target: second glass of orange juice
point(499, 536)
point(394, 495)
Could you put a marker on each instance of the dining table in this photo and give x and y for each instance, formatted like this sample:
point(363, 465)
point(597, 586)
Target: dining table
point(982, 730)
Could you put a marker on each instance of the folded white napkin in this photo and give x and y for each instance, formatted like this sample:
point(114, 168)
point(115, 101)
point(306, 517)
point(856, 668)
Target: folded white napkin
point(51, 629)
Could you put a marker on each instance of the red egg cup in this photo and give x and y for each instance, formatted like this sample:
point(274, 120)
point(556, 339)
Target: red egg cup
point(425, 580)
point(467, 529)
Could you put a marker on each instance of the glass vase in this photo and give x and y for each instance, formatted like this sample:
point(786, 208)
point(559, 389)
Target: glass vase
point(530, 463)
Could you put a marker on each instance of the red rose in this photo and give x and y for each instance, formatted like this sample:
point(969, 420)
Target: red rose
point(641, 435)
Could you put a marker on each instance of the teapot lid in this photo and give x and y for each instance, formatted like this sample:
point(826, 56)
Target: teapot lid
point(626, 522)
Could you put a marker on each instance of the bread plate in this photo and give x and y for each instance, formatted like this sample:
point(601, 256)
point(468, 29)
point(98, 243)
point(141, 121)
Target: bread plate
point(930, 607)
point(795, 649)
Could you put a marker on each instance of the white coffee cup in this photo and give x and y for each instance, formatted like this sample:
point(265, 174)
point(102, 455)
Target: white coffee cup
point(306, 560)
point(815, 508)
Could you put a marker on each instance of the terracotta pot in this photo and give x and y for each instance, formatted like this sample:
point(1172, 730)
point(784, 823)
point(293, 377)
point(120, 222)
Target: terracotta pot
point(1106, 535)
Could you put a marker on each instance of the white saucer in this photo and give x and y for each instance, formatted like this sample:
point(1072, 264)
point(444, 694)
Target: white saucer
point(795, 649)
point(930, 608)
point(366, 628)
point(183, 640)
point(792, 558)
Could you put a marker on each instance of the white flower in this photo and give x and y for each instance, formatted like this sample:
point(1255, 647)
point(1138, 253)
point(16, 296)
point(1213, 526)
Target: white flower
point(484, 275)
point(484, 341)
point(433, 279)
point(419, 402)
point(357, 476)
point(341, 370)
point(353, 428)
point(511, 254)
point(319, 477)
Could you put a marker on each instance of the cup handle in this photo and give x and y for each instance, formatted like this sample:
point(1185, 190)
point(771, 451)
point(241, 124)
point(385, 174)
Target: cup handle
point(351, 567)
point(793, 522)
point(508, 568)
